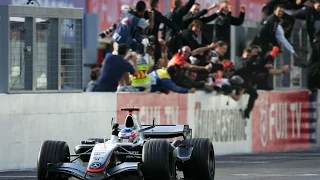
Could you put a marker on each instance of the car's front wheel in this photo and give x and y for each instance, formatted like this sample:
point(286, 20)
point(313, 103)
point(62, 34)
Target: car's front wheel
point(52, 152)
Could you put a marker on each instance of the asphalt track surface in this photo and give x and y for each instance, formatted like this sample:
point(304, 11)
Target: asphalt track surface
point(270, 166)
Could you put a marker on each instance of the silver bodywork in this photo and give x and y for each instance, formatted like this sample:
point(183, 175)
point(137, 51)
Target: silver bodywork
point(101, 154)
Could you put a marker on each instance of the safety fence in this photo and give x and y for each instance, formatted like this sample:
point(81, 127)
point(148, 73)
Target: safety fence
point(280, 121)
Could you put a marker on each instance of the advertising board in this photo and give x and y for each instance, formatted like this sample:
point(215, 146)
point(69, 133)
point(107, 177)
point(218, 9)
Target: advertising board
point(220, 118)
point(280, 121)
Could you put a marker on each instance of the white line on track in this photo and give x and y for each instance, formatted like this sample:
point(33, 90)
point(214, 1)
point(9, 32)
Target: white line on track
point(277, 175)
point(244, 162)
point(18, 176)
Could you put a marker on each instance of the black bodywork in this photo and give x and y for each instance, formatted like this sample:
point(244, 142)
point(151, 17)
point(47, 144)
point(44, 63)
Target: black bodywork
point(130, 162)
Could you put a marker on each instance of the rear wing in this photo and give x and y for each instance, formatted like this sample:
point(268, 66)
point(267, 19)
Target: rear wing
point(168, 131)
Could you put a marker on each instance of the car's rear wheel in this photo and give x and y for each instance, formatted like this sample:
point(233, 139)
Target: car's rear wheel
point(52, 152)
point(158, 161)
point(202, 162)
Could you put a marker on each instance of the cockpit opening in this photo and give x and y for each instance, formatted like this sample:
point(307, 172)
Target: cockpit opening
point(129, 123)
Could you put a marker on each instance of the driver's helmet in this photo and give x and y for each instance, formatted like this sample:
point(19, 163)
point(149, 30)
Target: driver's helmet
point(127, 134)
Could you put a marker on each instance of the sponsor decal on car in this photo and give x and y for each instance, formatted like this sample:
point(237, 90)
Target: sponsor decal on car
point(95, 165)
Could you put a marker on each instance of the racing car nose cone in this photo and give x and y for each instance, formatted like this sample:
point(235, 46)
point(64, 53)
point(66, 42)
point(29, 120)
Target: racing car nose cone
point(95, 165)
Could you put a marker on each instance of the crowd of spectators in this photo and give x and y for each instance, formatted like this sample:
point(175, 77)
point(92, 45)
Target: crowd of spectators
point(177, 61)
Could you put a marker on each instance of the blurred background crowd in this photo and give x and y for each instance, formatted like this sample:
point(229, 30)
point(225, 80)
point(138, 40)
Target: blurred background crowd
point(155, 52)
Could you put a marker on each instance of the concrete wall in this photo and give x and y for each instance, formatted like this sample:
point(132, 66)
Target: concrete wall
point(26, 120)
point(280, 120)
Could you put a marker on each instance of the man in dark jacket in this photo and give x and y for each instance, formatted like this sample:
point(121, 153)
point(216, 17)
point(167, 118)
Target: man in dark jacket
point(176, 16)
point(314, 65)
point(269, 8)
point(195, 13)
point(248, 68)
point(158, 19)
point(190, 35)
point(267, 35)
point(310, 14)
point(224, 22)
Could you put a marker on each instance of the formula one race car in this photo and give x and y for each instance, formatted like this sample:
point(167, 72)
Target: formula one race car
point(134, 151)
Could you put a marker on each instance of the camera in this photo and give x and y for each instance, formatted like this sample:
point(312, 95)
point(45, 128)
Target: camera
point(108, 31)
point(147, 14)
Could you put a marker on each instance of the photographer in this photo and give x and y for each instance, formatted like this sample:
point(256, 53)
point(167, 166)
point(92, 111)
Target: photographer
point(233, 88)
point(131, 28)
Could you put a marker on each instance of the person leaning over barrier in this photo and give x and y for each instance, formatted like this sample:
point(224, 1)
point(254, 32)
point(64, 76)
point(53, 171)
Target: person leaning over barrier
point(253, 69)
point(161, 81)
point(142, 82)
point(314, 65)
point(182, 60)
point(189, 81)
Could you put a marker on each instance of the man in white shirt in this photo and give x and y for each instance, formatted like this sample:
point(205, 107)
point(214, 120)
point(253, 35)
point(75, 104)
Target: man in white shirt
point(282, 28)
point(280, 35)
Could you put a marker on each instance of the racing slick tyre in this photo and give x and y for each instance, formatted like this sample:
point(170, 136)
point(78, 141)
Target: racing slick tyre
point(52, 152)
point(158, 160)
point(201, 165)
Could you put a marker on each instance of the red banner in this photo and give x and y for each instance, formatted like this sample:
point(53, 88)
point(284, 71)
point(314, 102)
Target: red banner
point(253, 9)
point(166, 109)
point(280, 121)
point(109, 11)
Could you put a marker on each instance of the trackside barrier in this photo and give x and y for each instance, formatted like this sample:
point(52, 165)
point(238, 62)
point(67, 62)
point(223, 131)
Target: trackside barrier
point(281, 120)
point(219, 118)
point(313, 120)
point(26, 120)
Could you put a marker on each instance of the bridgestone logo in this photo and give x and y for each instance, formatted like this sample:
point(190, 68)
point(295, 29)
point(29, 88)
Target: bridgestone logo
point(220, 125)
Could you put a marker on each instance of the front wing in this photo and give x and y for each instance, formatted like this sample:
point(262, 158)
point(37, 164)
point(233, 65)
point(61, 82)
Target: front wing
point(79, 171)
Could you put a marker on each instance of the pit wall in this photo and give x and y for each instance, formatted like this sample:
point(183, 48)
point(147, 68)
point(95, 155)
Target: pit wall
point(281, 120)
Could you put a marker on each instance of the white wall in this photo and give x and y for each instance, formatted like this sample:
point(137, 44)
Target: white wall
point(27, 120)
point(211, 116)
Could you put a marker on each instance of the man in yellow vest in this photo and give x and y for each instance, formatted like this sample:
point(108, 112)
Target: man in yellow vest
point(142, 81)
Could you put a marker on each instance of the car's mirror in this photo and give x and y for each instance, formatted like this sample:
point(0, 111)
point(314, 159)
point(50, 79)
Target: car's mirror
point(150, 127)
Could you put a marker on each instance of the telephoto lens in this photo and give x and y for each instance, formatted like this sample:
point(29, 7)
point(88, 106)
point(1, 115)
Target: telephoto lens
point(108, 31)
